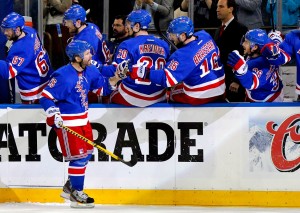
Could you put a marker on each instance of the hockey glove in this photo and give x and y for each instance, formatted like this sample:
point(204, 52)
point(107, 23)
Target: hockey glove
point(122, 69)
point(237, 62)
point(276, 36)
point(53, 117)
point(271, 51)
point(140, 71)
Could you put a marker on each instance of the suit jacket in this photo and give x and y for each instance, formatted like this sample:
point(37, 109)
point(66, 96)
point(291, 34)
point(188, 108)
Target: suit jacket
point(229, 41)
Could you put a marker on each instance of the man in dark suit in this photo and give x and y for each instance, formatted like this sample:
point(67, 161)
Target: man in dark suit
point(228, 38)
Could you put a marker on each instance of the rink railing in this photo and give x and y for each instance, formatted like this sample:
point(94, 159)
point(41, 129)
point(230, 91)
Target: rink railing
point(217, 154)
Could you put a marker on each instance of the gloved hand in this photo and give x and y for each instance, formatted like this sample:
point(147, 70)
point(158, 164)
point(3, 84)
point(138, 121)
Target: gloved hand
point(270, 50)
point(237, 62)
point(54, 118)
point(276, 36)
point(122, 69)
point(139, 71)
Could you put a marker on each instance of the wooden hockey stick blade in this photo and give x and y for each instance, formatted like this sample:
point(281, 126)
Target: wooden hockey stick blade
point(130, 163)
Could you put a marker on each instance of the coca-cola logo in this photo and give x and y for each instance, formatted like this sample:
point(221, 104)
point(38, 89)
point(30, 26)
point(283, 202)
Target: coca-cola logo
point(280, 133)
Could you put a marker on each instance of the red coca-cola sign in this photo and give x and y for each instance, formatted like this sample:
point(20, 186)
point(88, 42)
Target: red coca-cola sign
point(281, 132)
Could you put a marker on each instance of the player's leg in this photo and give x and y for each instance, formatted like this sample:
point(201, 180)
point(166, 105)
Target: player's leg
point(79, 153)
point(77, 168)
point(117, 98)
point(178, 95)
point(77, 174)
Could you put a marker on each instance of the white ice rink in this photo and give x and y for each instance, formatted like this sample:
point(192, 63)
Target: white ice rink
point(63, 208)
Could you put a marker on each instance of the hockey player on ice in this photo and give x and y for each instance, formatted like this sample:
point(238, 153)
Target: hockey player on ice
point(65, 101)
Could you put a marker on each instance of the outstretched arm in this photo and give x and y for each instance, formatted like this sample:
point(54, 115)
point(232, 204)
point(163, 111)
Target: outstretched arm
point(239, 66)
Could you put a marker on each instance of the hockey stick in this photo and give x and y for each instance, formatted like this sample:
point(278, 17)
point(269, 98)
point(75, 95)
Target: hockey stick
point(128, 163)
point(160, 33)
point(272, 2)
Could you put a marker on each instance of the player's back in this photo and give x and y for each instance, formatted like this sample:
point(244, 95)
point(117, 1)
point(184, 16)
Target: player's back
point(93, 36)
point(30, 64)
point(143, 49)
point(197, 63)
point(291, 44)
point(291, 41)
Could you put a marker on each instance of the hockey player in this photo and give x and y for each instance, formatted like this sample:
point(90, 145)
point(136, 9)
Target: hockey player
point(289, 48)
point(27, 60)
point(75, 20)
point(65, 102)
point(143, 48)
point(261, 79)
point(194, 71)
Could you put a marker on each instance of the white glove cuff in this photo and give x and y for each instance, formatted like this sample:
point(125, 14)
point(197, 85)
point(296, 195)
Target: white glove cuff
point(52, 111)
point(243, 69)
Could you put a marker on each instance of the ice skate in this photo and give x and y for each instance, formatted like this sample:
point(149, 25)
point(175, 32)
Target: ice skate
point(66, 190)
point(79, 199)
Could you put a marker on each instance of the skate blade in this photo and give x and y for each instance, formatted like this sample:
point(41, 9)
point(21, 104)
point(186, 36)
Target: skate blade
point(65, 195)
point(82, 205)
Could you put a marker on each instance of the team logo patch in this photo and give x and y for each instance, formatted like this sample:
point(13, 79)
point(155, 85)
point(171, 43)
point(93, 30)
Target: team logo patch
point(52, 82)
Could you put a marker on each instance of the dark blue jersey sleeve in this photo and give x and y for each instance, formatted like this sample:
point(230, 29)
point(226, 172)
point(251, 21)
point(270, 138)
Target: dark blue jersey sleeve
point(4, 69)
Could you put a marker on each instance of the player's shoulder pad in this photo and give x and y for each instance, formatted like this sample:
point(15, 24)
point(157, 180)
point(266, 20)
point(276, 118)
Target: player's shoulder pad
point(295, 32)
point(292, 35)
point(201, 33)
point(89, 24)
point(29, 29)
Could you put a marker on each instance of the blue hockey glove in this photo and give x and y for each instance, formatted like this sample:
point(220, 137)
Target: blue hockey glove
point(237, 62)
point(271, 51)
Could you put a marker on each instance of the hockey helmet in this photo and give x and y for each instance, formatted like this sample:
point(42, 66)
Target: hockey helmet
point(142, 17)
point(182, 24)
point(13, 20)
point(77, 48)
point(257, 37)
point(74, 13)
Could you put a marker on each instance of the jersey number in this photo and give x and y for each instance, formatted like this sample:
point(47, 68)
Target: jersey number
point(207, 66)
point(159, 63)
point(17, 60)
point(41, 64)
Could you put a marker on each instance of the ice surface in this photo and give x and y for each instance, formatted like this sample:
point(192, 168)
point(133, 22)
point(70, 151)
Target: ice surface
point(63, 208)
